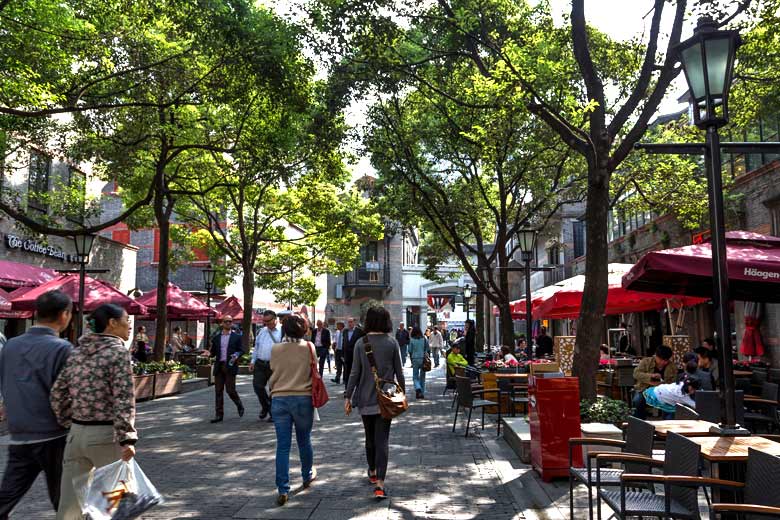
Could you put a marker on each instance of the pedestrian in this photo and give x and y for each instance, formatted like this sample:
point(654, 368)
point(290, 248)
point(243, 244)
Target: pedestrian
point(402, 337)
point(94, 396)
point(361, 391)
point(470, 343)
point(291, 403)
point(140, 344)
point(260, 363)
point(225, 349)
point(29, 366)
point(349, 337)
point(321, 340)
point(418, 348)
point(338, 351)
point(544, 344)
point(652, 371)
point(437, 343)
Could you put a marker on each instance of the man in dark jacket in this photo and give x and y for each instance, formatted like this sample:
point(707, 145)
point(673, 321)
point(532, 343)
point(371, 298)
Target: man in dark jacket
point(349, 337)
point(470, 342)
point(29, 365)
point(321, 339)
point(402, 337)
point(226, 349)
point(544, 344)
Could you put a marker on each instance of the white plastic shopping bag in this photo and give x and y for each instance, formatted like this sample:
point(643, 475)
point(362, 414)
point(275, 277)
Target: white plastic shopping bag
point(119, 491)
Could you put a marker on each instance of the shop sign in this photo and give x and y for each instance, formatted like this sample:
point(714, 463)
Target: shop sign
point(38, 248)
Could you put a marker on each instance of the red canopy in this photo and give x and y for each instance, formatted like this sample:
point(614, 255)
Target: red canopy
point(96, 293)
point(565, 303)
point(232, 307)
point(753, 263)
point(180, 305)
point(537, 298)
point(5, 308)
point(13, 274)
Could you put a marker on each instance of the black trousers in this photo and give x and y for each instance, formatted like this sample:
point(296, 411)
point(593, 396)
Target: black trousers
point(225, 380)
point(347, 370)
point(377, 443)
point(339, 364)
point(260, 378)
point(25, 462)
point(322, 355)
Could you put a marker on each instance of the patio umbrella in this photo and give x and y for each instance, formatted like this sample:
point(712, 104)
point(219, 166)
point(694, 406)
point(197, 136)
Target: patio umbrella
point(751, 342)
point(538, 297)
point(180, 304)
point(96, 293)
point(14, 274)
point(753, 263)
point(231, 307)
point(6, 311)
point(565, 303)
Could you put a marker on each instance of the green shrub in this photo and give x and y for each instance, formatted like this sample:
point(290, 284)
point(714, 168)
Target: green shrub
point(157, 367)
point(603, 410)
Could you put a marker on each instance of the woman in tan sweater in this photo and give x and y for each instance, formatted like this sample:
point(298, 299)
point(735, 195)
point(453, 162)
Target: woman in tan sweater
point(291, 402)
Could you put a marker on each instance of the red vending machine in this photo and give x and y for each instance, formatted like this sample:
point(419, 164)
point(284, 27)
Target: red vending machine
point(554, 413)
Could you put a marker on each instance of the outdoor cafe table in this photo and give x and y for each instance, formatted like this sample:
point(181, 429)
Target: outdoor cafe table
point(686, 428)
point(742, 373)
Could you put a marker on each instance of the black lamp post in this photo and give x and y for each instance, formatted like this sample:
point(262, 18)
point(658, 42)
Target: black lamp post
point(526, 239)
point(708, 62)
point(208, 280)
point(83, 244)
point(467, 298)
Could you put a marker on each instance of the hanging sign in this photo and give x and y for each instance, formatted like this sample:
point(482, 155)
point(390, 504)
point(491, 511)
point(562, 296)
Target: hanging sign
point(38, 248)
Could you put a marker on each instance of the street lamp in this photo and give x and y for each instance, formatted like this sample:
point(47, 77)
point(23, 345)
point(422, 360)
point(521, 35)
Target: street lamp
point(83, 245)
point(708, 62)
point(208, 280)
point(467, 298)
point(526, 239)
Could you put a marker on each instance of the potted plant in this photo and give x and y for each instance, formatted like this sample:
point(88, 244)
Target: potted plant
point(204, 367)
point(601, 418)
point(167, 377)
point(143, 382)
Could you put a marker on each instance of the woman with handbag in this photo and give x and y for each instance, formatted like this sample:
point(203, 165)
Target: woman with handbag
point(291, 402)
point(377, 362)
point(420, 352)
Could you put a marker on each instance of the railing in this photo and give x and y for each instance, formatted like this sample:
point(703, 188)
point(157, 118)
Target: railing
point(370, 274)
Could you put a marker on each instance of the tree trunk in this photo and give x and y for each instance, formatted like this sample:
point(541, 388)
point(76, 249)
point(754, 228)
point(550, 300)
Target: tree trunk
point(480, 322)
point(507, 327)
point(594, 298)
point(162, 216)
point(248, 282)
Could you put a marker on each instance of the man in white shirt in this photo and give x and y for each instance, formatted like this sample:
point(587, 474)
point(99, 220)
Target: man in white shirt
point(260, 365)
point(338, 350)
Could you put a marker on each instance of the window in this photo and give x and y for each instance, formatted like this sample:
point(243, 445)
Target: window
point(553, 255)
point(578, 232)
point(370, 252)
point(38, 182)
point(774, 217)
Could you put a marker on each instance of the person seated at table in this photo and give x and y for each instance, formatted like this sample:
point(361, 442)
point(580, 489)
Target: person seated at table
point(506, 355)
point(604, 352)
point(708, 368)
point(454, 359)
point(665, 396)
point(521, 346)
point(652, 371)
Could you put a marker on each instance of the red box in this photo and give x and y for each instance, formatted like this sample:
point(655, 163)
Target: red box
point(554, 415)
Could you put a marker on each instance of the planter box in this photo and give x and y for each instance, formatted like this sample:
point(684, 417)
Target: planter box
point(601, 431)
point(167, 383)
point(144, 386)
point(205, 371)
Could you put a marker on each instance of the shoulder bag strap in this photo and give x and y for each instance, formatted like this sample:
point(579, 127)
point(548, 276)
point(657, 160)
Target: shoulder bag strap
point(371, 361)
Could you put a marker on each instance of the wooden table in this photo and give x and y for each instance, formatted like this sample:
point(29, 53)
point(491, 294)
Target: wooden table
point(742, 373)
point(511, 376)
point(686, 428)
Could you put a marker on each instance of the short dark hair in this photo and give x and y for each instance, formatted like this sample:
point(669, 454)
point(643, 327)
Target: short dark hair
point(378, 320)
point(99, 318)
point(704, 352)
point(51, 304)
point(268, 313)
point(664, 352)
point(416, 332)
point(709, 341)
point(177, 329)
point(294, 326)
point(505, 350)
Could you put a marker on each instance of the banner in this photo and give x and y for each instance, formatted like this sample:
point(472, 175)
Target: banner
point(437, 302)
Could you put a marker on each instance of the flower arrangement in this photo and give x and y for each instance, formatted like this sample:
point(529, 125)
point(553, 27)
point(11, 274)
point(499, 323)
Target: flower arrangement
point(750, 363)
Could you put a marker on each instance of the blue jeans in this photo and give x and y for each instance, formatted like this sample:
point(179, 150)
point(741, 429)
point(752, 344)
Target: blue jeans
point(404, 350)
point(435, 357)
point(286, 411)
point(418, 375)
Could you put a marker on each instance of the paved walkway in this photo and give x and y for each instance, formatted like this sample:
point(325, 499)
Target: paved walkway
point(226, 471)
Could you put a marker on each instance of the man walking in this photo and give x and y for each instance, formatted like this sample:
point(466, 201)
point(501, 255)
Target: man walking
point(436, 342)
point(338, 351)
point(226, 349)
point(402, 337)
point(260, 365)
point(321, 340)
point(29, 365)
point(349, 337)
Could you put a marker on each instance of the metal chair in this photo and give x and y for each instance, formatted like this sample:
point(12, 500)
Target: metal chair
point(511, 390)
point(773, 375)
point(625, 379)
point(471, 373)
point(466, 401)
point(680, 481)
point(762, 489)
point(684, 412)
point(639, 441)
point(764, 411)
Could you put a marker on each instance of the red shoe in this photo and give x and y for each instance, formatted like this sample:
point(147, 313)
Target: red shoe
point(372, 478)
point(379, 494)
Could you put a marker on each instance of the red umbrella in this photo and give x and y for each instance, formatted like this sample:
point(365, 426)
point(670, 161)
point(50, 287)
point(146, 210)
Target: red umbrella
point(96, 293)
point(753, 263)
point(538, 297)
point(5, 308)
point(751, 341)
point(565, 303)
point(231, 307)
point(22, 275)
point(180, 304)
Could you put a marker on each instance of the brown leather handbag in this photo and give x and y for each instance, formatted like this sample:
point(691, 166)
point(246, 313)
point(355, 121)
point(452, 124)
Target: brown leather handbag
point(392, 402)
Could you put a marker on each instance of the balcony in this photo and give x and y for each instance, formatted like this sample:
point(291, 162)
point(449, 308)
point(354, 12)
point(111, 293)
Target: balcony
point(555, 275)
point(369, 274)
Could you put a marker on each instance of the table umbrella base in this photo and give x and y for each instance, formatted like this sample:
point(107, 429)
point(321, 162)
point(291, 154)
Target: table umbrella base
point(729, 431)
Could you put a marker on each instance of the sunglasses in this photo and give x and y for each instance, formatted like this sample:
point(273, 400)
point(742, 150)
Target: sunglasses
point(227, 321)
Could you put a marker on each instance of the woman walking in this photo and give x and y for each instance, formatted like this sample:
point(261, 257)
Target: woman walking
point(361, 391)
point(291, 402)
point(94, 396)
point(418, 348)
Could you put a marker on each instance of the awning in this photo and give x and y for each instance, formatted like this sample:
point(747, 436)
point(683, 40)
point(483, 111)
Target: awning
point(180, 304)
point(14, 274)
point(753, 264)
point(96, 293)
point(6, 311)
point(232, 307)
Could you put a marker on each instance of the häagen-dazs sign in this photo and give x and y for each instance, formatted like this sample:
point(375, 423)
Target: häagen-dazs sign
point(33, 246)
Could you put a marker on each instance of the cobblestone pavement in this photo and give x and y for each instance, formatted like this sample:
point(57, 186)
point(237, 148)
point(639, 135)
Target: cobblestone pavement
point(227, 470)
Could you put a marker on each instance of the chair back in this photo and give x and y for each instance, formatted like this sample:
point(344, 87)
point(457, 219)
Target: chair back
point(760, 375)
point(625, 375)
point(769, 391)
point(682, 458)
point(762, 484)
point(684, 412)
point(708, 405)
point(465, 397)
point(639, 440)
point(774, 375)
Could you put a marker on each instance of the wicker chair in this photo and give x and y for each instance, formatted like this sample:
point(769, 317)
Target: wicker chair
point(516, 395)
point(466, 401)
point(639, 441)
point(683, 412)
point(680, 481)
point(708, 405)
point(763, 411)
point(762, 489)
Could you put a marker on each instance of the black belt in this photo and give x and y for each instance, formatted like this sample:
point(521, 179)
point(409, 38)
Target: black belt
point(92, 423)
